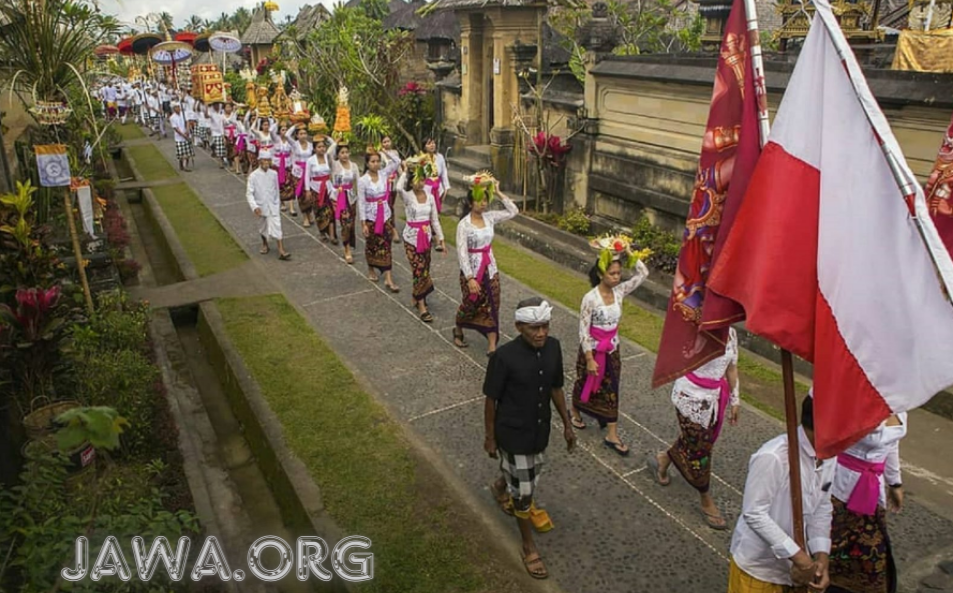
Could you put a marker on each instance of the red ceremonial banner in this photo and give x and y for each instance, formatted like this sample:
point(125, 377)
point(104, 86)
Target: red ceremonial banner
point(696, 321)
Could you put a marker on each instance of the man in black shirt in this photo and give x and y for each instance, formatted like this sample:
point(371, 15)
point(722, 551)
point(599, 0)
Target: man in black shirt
point(522, 378)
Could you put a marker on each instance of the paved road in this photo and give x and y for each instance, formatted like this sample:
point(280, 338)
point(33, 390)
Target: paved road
point(616, 531)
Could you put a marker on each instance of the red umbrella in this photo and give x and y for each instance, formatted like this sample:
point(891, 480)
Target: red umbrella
point(186, 37)
point(125, 46)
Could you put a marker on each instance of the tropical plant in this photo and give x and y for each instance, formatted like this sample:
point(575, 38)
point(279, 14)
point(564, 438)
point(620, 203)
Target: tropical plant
point(354, 50)
point(25, 260)
point(194, 23)
point(372, 129)
point(99, 426)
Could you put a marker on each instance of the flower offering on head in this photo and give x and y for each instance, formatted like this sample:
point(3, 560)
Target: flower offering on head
point(617, 247)
point(482, 186)
point(417, 167)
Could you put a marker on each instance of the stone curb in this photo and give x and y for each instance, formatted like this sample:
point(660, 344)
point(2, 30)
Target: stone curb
point(290, 482)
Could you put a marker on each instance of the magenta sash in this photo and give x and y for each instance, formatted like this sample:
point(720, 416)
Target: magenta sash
point(484, 261)
point(379, 221)
point(866, 494)
point(423, 234)
point(230, 132)
point(240, 145)
point(300, 187)
point(340, 204)
point(323, 191)
point(282, 167)
point(603, 338)
point(434, 186)
point(724, 398)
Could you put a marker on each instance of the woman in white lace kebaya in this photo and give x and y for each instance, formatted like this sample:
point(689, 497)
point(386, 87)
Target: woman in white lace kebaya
point(703, 399)
point(599, 364)
point(422, 224)
point(479, 277)
point(866, 482)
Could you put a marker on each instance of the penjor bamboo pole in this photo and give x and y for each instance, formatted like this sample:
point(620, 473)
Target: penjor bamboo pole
point(77, 251)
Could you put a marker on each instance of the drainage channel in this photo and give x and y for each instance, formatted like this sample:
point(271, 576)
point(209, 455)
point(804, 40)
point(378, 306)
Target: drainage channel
point(243, 503)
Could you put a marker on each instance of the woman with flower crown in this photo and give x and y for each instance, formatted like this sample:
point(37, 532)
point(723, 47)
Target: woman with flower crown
point(479, 276)
point(599, 364)
point(423, 222)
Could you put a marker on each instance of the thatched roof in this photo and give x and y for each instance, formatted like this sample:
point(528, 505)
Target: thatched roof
point(403, 15)
point(309, 17)
point(261, 31)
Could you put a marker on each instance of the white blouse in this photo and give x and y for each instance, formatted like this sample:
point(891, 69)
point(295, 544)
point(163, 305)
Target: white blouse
point(595, 313)
point(471, 237)
point(368, 189)
point(442, 172)
point(315, 169)
point(883, 444)
point(390, 162)
point(698, 404)
point(299, 154)
point(341, 176)
point(414, 211)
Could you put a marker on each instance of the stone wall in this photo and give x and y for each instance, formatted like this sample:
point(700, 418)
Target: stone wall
point(647, 116)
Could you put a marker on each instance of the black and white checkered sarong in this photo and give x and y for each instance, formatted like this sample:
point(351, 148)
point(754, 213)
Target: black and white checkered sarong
point(184, 150)
point(219, 147)
point(522, 475)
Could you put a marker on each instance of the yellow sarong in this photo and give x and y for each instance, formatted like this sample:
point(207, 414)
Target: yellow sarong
point(741, 582)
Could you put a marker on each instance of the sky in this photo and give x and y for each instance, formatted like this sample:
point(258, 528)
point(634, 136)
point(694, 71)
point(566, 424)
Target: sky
point(127, 10)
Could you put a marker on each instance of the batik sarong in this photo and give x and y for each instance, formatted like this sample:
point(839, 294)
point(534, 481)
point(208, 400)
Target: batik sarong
point(861, 557)
point(483, 312)
point(420, 266)
point(691, 453)
point(603, 404)
point(378, 249)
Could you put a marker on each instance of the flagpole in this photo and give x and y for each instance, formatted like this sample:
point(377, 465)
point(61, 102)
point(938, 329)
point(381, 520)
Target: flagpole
point(787, 360)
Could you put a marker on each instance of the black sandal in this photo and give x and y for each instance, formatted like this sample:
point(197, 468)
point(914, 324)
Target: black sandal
point(577, 424)
point(617, 447)
point(426, 317)
point(458, 338)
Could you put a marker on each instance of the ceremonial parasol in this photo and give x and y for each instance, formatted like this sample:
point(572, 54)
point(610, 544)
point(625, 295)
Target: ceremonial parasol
point(200, 43)
point(125, 46)
point(105, 50)
point(225, 43)
point(143, 42)
point(186, 37)
point(169, 53)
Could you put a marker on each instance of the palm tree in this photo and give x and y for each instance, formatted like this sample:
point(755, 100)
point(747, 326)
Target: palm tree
point(166, 19)
point(194, 23)
point(241, 19)
point(208, 25)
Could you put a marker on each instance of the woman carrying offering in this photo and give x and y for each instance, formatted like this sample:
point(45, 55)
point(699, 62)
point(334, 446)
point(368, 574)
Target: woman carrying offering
point(300, 153)
point(599, 364)
point(439, 183)
point(374, 212)
point(479, 276)
point(318, 190)
point(344, 176)
point(282, 155)
point(703, 399)
point(422, 223)
point(390, 166)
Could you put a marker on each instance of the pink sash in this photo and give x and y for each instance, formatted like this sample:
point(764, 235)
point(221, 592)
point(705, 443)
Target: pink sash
point(603, 339)
point(434, 185)
point(379, 221)
point(323, 191)
point(341, 204)
point(866, 494)
point(484, 261)
point(724, 397)
point(300, 187)
point(423, 234)
point(282, 167)
point(230, 132)
point(240, 146)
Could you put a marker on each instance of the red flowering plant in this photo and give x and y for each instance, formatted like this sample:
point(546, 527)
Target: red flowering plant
point(549, 151)
point(32, 334)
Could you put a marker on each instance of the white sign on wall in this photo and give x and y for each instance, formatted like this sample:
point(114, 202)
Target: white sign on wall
point(496, 65)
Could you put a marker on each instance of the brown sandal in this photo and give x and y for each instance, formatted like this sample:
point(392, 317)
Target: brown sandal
point(503, 499)
point(534, 566)
point(458, 339)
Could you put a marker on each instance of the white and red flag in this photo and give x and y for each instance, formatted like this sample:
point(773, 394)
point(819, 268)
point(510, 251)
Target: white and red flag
point(834, 255)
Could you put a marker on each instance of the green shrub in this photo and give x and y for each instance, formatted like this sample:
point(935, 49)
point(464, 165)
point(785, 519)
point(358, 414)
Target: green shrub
point(575, 221)
point(664, 245)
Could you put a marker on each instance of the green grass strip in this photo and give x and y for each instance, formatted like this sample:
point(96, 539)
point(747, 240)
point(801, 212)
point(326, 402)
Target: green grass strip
point(150, 162)
point(129, 131)
point(368, 477)
point(639, 325)
point(207, 243)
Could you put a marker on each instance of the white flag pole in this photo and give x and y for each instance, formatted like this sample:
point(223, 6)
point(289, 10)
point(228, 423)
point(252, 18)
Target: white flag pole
point(757, 64)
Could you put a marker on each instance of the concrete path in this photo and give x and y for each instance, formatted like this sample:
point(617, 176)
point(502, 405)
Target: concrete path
point(616, 531)
point(243, 281)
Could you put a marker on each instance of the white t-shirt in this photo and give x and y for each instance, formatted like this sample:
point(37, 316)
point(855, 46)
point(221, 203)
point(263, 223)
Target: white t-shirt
point(178, 123)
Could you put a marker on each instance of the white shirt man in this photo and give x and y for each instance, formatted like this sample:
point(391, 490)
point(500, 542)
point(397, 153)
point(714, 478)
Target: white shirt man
point(264, 198)
point(183, 142)
point(763, 549)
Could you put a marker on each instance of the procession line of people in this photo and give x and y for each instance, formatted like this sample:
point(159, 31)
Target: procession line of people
point(848, 548)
